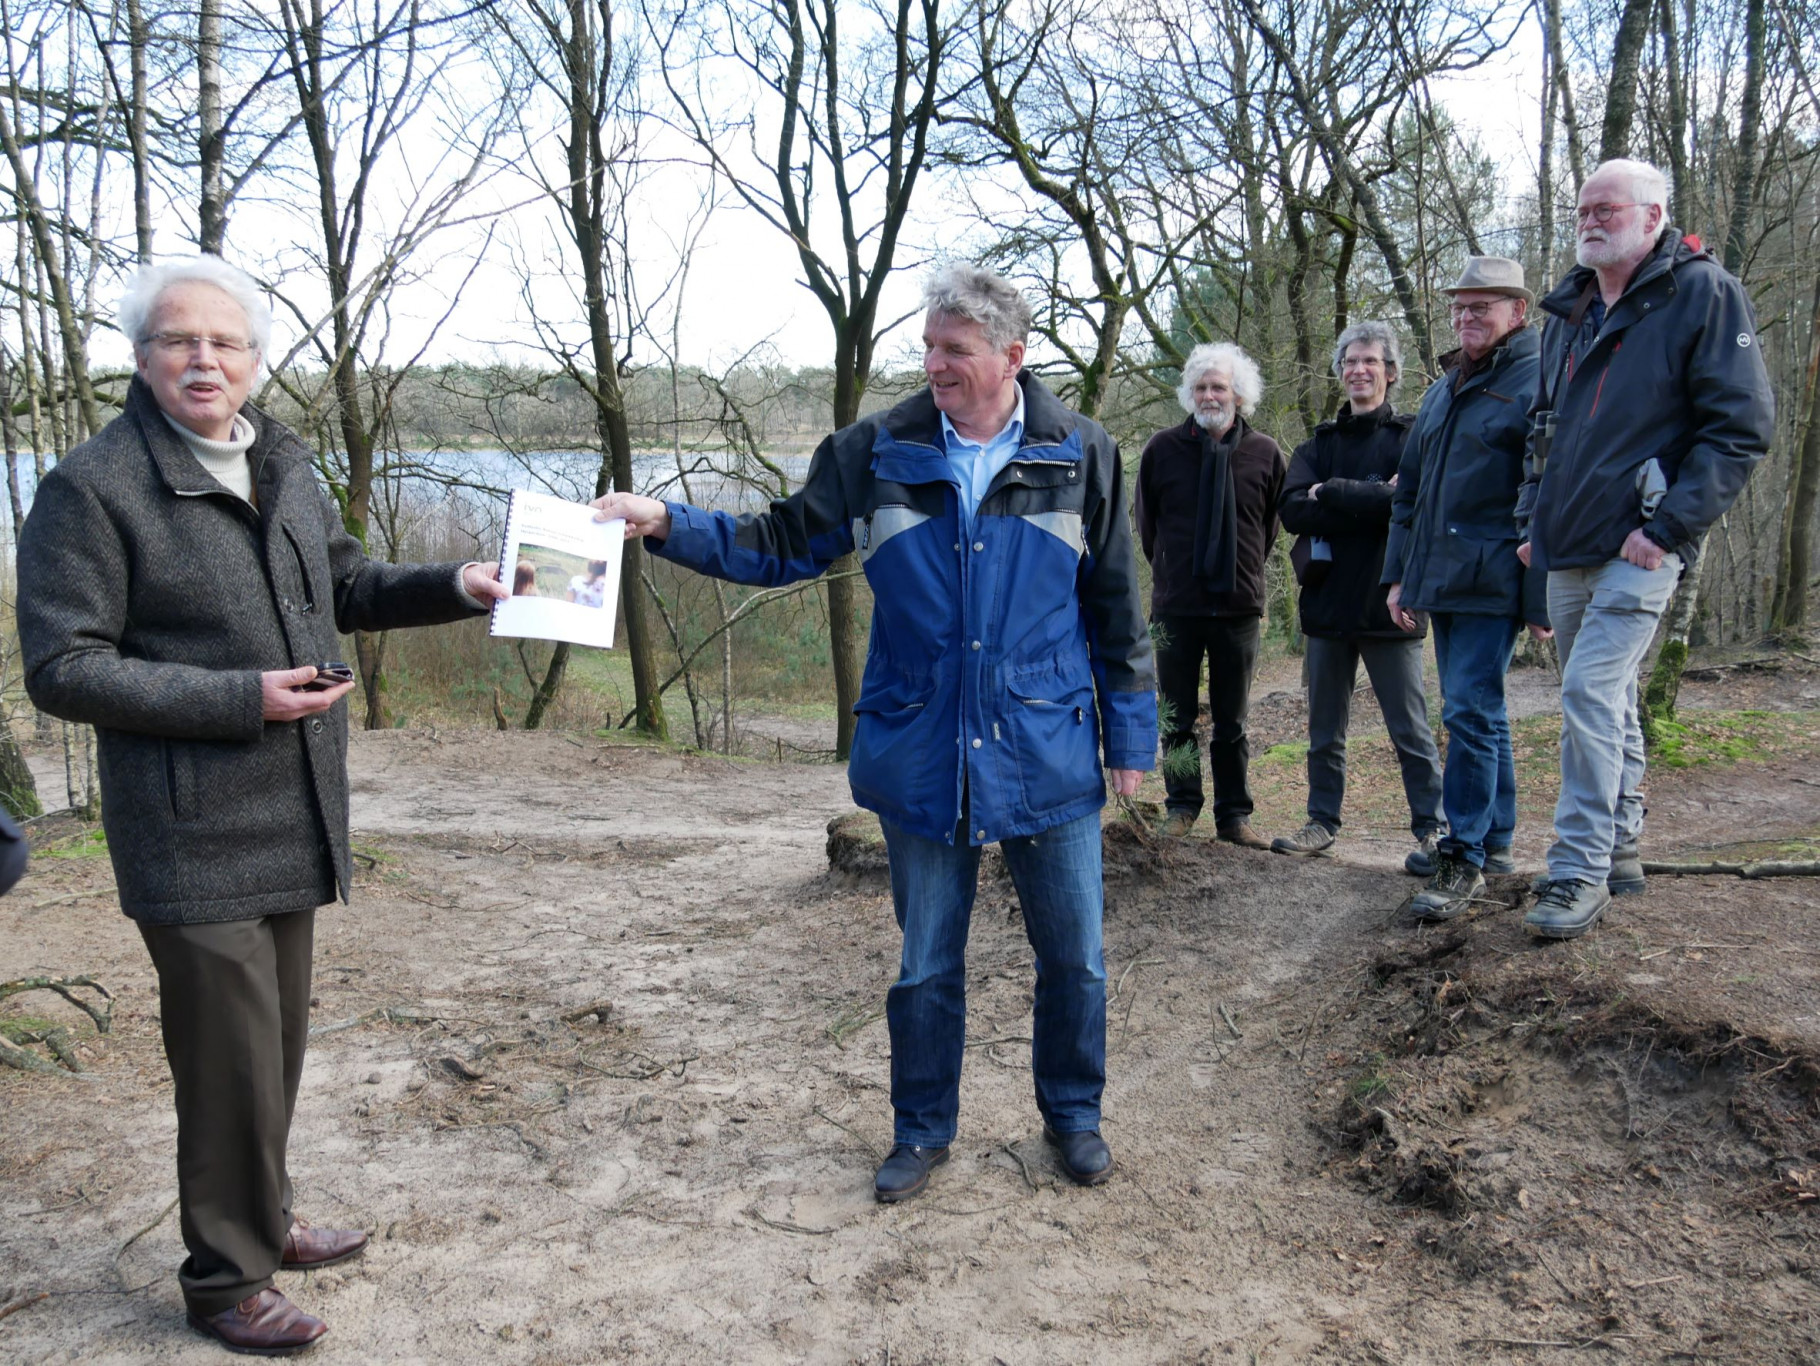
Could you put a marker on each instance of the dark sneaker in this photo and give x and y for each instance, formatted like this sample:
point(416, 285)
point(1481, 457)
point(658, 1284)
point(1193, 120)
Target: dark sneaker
point(1449, 891)
point(1499, 860)
point(1313, 838)
point(906, 1171)
point(1175, 825)
point(1626, 875)
point(1567, 909)
point(1421, 859)
point(1241, 833)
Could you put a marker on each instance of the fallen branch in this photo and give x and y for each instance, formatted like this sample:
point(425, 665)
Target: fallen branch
point(103, 1016)
point(25, 1303)
point(27, 1061)
point(1756, 869)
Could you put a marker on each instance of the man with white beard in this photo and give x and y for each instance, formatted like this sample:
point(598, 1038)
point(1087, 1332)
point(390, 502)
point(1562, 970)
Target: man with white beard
point(1654, 406)
point(1206, 510)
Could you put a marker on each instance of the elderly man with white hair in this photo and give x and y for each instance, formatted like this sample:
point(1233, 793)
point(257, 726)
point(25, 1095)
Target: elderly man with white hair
point(184, 582)
point(1653, 409)
point(1206, 511)
point(1008, 655)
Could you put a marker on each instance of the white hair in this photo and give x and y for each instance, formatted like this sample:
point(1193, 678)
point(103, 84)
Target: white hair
point(140, 304)
point(1647, 183)
point(979, 295)
point(1247, 380)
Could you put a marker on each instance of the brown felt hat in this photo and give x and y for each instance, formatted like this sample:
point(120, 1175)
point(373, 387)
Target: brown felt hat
point(1493, 275)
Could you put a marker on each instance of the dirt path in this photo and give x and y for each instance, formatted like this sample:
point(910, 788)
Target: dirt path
point(685, 1174)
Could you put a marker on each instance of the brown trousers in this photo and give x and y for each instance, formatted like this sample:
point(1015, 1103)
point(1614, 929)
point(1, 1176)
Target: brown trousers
point(235, 1006)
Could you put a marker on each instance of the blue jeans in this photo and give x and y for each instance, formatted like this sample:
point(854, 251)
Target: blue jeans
point(1479, 783)
point(1605, 618)
point(1057, 875)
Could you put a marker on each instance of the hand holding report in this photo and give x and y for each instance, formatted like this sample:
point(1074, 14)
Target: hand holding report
point(563, 569)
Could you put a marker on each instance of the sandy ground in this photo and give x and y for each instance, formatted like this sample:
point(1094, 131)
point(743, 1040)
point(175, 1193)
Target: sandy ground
point(1341, 1138)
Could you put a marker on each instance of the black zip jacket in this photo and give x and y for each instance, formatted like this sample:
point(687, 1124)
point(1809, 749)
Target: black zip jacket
point(1353, 458)
point(1451, 545)
point(1676, 376)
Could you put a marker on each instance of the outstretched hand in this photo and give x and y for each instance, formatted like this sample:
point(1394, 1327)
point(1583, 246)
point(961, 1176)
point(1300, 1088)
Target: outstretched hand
point(644, 516)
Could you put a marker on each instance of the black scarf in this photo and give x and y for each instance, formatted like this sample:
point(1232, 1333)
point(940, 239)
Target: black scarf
point(1216, 521)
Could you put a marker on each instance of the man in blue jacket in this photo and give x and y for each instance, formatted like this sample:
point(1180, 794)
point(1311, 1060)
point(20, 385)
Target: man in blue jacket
point(1452, 555)
point(1654, 406)
point(1008, 647)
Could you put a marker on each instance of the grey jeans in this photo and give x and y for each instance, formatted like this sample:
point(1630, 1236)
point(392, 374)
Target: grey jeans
point(1395, 670)
point(1604, 620)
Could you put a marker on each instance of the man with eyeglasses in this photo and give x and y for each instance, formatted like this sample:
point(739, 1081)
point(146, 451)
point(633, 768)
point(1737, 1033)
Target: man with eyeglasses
point(1337, 500)
point(181, 575)
point(1452, 555)
point(1654, 407)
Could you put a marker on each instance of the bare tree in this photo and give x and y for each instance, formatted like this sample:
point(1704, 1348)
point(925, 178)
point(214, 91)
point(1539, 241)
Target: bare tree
point(854, 95)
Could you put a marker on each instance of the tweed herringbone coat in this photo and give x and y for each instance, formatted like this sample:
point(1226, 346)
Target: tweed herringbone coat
point(150, 601)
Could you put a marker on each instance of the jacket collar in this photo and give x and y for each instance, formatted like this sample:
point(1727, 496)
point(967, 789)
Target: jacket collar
point(1672, 250)
point(182, 472)
point(1345, 419)
point(918, 422)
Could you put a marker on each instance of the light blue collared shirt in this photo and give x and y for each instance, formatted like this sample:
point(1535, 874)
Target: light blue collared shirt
point(975, 464)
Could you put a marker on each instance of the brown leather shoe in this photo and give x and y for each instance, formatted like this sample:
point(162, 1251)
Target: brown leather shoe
point(1241, 833)
point(261, 1325)
point(306, 1248)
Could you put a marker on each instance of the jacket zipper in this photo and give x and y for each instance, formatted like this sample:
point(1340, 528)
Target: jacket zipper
point(1617, 347)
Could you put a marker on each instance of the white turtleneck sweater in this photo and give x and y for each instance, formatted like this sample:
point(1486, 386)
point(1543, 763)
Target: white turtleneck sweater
point(226, 460)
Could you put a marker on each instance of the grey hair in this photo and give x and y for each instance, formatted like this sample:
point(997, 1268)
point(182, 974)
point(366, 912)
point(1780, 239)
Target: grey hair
point(1647, 183)
point(140, 303)
point(1371, 330)
point(979, 295)
point(1241, 369)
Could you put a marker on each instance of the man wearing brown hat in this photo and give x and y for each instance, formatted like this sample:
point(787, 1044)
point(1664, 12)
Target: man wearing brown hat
point(1453, 554)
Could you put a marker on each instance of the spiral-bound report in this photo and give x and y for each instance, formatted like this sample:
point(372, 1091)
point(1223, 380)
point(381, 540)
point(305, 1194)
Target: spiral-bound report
point(563, 569)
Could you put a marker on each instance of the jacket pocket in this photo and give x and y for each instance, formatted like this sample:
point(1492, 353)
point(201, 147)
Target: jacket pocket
point(1054, 733)
point(892, 762)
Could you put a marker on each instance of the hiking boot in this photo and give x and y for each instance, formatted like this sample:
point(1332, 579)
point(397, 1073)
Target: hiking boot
point(1567, 910)
point(1499, 860)
point(1421, 859)
point(1175, 825)
point(1313, 838)
point(1625, 878)
point(1241, 833)
point(1626, 875)
point(1449, 891)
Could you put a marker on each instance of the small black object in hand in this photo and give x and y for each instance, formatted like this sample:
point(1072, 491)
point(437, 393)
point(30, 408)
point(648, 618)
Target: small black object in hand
point(330, 675)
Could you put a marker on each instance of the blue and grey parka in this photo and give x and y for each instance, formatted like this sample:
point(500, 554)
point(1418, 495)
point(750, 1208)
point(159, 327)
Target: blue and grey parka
point(1003, 656)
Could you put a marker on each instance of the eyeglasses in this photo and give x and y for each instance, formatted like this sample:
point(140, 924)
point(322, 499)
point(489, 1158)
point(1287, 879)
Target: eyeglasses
point(1599, 213)
point(1478, 312)
point(1362, 363)
point(188, 344)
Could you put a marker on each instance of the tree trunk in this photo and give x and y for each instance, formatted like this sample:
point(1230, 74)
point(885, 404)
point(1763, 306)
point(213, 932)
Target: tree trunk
point(1744, 172)
point(1788, 611)
point(1675, 134)
point(1576, 156)
point(139, 37)
point(549, 687)
point(18, 791)
point(1656, 699)
point(1621, 95)
point(211, 145)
